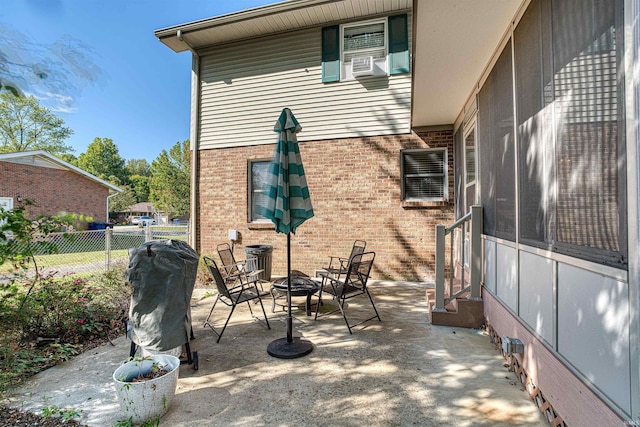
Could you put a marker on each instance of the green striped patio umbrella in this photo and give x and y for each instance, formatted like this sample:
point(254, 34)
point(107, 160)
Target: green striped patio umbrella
point(287, 204)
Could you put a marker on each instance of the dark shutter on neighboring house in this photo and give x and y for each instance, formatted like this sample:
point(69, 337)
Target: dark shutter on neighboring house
point(398, 44)
point(331, 54)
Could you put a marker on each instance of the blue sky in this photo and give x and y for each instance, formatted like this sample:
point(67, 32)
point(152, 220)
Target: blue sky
point(128, 86)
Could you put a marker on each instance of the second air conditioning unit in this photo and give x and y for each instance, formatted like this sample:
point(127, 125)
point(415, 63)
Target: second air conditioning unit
point(362, 66)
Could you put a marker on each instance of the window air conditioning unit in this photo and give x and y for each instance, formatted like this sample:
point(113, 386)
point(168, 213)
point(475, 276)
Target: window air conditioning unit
point(362, 66)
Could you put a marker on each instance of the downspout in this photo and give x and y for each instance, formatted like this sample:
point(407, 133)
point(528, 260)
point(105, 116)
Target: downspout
point(414, 31)
point(108, 197)
point(194, 142)
point(107, 237)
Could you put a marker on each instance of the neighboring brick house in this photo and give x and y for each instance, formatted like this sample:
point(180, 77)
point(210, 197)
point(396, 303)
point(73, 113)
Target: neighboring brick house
point(137, 209)
point(141, 209)
point(536, 105)
point(53, 185)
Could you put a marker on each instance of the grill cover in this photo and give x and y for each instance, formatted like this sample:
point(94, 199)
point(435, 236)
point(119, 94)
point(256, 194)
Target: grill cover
point(162, 274)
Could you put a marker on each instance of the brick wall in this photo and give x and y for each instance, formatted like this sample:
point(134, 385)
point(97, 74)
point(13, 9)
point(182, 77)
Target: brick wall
point(356, 194)
point(53, 190)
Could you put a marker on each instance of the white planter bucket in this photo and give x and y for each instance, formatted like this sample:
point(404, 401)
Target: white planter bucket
point(145, 400)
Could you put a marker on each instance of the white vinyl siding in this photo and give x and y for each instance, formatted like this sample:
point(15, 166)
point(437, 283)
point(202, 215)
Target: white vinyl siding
point(246, 85)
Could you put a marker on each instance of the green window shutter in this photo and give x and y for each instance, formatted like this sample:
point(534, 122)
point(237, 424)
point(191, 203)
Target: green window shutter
point(331, 54)
point(398, 44)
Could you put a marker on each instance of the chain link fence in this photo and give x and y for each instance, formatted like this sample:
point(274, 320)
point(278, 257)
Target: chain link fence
point(95, 250)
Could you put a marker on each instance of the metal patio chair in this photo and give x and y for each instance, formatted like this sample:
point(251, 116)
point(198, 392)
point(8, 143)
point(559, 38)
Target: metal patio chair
point(238, 272)
point(232, 297)
point(338, 265)
point(353, 285)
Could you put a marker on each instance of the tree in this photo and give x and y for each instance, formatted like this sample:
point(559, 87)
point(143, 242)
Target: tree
point(69, 158)
point(140, 186)
point(122, 201)
point(25, 126)
point(170, 174)
point(103, 160)
point(138, 167)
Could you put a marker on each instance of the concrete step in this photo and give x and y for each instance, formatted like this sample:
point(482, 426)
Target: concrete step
point(461, 312)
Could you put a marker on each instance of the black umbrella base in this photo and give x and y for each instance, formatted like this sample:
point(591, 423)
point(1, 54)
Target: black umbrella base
point(282, 349)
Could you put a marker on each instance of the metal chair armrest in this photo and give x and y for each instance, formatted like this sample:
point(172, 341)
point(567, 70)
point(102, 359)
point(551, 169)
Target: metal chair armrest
point(236, 288)
point(253, 273)
point(333, 279)
point(331, 261)
point(344, 263)
point(249, 276)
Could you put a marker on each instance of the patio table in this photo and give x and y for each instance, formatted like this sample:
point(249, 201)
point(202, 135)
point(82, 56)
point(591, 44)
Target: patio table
point(300, 286)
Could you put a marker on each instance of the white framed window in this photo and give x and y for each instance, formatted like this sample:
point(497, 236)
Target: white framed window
point(424, 175)
point(364, 49)
point(470, 176)
point(6, 203)
point(470, 155)
point(257, 172)
point(377, 47)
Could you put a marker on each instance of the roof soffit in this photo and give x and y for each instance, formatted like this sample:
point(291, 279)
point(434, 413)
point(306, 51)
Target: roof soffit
point(34, 160)
point(454, 43)
point(276, 18)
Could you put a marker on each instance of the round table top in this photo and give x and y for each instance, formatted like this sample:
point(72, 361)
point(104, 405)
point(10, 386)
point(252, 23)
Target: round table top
point(298, 283)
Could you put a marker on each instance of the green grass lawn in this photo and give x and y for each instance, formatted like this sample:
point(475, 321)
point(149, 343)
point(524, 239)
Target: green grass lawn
point(89, 247)
point(78, 258)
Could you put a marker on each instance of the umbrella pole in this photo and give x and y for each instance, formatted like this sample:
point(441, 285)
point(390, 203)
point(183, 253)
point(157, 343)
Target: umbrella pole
point(289, 347)
point(289, 318)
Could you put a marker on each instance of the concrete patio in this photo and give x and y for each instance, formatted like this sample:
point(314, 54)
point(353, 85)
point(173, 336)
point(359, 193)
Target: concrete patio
point(399, 372)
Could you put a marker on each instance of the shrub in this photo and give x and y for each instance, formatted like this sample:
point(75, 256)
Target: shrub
point(46, 319)
point(52, 319)
point(69, 309)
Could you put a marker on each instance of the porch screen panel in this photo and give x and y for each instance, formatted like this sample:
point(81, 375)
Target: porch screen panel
point(459, 167)
point(589, 149)
point(534, 97)
point(496, 152)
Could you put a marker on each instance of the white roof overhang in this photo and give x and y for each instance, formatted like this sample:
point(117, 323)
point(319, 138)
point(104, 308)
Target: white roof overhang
point(454, 42)
point(275, 18)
